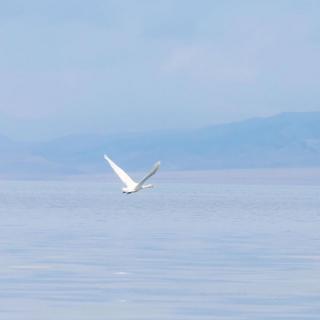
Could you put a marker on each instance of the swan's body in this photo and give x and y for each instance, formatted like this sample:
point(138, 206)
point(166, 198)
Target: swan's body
point(130, 185)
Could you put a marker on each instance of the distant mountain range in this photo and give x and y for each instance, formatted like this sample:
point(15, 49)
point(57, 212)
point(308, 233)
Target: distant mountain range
point(284, 140)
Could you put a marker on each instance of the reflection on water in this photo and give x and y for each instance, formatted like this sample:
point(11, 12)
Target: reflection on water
point(82, 250)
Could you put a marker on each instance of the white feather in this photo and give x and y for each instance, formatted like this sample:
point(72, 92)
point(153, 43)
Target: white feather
point(124, 177)
point(130, 185)
point(151, 173)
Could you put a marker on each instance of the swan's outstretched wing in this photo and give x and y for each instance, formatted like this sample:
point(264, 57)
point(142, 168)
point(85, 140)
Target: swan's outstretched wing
point(151, 173)
point(120, 173)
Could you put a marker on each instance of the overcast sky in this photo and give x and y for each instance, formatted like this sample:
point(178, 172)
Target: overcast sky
point(105, 66)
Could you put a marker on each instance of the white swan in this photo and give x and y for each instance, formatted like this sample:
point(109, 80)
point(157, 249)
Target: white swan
point(130, 185)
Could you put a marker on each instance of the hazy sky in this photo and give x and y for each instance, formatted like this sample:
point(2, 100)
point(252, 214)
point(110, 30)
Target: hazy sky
point(122, 65)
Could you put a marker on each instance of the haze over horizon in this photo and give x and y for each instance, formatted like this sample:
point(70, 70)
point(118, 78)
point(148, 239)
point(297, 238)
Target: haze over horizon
point(118, 66)
point(287, 140)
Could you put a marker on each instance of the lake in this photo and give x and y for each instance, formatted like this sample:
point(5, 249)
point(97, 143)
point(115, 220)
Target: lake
point(81, 250)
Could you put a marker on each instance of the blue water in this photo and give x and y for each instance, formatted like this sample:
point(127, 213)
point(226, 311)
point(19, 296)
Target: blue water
point(73, 250)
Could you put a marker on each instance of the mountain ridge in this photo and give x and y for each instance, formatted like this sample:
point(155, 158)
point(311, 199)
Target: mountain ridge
point(282, 141)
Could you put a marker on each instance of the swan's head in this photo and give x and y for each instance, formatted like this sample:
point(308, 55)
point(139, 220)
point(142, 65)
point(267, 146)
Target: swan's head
point(128, 190)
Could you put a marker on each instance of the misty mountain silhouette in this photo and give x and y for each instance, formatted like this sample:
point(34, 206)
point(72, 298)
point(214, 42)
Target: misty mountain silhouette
point(284, 140)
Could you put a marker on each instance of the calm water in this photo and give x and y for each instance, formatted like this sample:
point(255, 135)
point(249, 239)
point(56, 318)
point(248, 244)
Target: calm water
point(82, 250)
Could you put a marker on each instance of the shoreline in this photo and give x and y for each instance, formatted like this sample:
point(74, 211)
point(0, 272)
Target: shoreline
point(292, 176)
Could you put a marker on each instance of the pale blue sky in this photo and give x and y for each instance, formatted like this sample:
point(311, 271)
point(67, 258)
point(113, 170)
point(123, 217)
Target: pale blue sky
point(104, 66)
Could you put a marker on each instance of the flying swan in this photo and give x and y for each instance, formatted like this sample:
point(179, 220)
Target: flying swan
point(130, 185)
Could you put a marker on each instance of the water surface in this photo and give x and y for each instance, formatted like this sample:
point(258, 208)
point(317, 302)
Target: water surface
point(75, 250)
